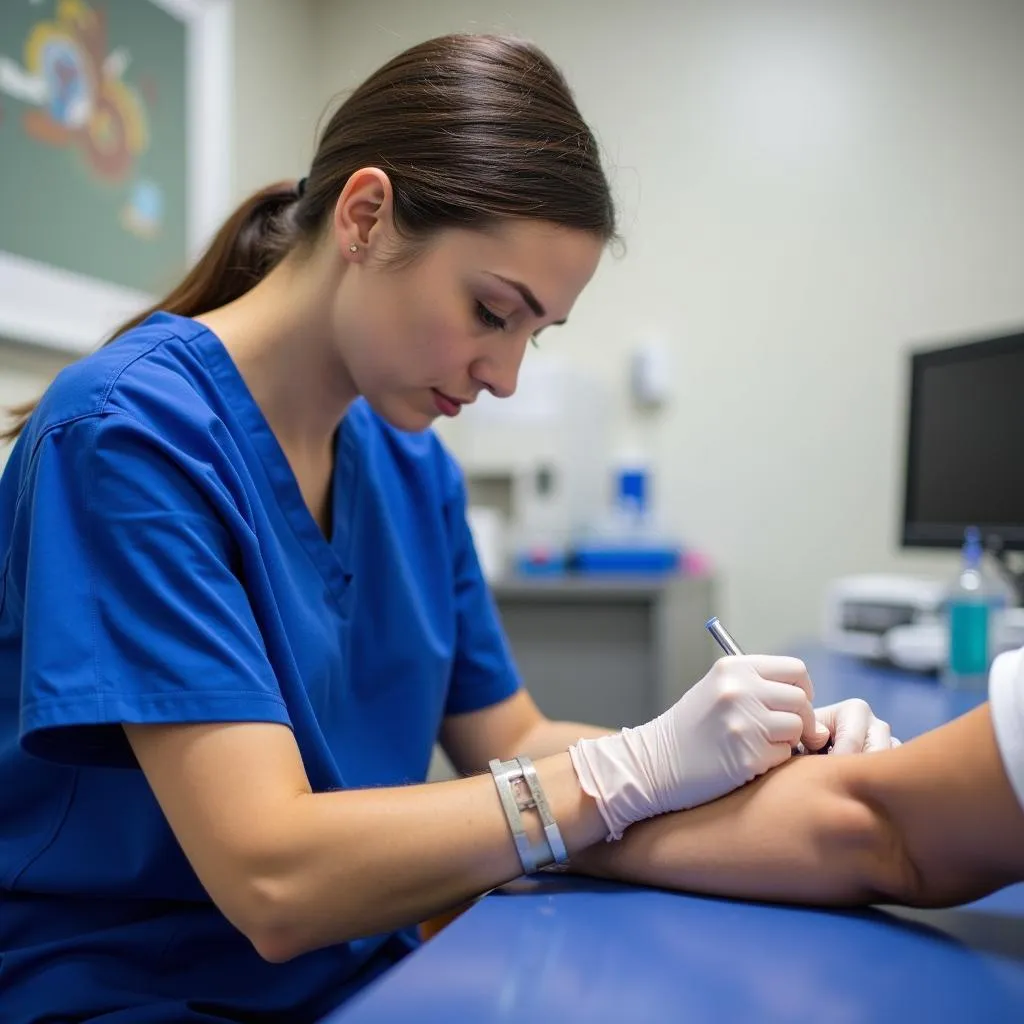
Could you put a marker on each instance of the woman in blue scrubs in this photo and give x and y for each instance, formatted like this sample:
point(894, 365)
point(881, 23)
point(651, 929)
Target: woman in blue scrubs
point(240, 602)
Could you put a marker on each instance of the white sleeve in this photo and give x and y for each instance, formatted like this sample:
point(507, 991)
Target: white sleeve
point(1006, 698)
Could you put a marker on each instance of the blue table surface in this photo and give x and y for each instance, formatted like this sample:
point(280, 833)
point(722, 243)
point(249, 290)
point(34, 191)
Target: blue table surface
point(562, 948)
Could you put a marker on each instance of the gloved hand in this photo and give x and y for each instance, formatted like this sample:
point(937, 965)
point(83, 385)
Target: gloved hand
point(744, 717)
point(854, 728)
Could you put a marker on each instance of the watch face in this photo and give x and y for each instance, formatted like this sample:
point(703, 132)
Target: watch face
point(524, 798)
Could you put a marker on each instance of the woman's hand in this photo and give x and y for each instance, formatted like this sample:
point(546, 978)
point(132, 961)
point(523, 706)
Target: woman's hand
point(744, 717)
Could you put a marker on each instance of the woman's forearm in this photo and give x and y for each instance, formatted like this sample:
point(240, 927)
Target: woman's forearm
point(555, 737)
point(295, 870)
point(798, 834)
point(374, 860)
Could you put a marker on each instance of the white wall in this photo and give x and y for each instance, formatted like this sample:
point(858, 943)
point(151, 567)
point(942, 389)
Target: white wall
point(805, 190)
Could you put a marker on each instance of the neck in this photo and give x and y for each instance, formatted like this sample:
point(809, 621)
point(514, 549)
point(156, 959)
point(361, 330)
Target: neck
point(279, 336)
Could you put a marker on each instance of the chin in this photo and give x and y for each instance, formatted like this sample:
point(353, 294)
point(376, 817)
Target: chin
point(402, 415)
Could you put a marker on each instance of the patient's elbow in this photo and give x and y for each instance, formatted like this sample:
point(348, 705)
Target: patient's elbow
point(860, 834)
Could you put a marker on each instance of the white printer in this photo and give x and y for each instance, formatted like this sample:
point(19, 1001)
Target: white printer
point(860, 611)
point(900, 619)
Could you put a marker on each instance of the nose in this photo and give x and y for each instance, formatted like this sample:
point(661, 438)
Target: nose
point(498, 371)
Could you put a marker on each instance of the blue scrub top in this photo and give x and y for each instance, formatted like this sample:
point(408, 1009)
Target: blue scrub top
point(160, 565)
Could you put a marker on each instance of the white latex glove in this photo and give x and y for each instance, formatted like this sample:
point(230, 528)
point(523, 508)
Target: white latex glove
point(854, 728)
point(744, 717)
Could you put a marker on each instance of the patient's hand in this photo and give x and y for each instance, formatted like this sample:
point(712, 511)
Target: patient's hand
point(854, 728)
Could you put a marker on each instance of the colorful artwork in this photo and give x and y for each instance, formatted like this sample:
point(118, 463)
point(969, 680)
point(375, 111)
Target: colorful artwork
point(93, 138)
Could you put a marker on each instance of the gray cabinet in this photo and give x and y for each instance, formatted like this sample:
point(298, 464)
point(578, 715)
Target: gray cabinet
point(608, 651)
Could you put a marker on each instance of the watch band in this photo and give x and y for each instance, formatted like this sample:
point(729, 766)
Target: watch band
point(502, 772)
point(551, 831)
point(513, 775)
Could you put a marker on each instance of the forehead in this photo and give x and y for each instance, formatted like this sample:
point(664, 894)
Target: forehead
point(554, 262)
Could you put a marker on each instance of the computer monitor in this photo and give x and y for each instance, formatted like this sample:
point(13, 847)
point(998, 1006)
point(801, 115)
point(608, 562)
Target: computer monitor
point(965, 445)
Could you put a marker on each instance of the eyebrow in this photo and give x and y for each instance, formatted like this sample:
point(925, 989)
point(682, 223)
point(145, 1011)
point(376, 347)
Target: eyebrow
point(528, 297)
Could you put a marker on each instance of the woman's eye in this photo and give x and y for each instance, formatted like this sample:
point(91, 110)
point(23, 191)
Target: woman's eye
point(489, 319)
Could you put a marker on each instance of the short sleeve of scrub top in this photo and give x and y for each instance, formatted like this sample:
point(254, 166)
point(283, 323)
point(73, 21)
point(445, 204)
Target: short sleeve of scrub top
point(134, 612)
point(1006, 696)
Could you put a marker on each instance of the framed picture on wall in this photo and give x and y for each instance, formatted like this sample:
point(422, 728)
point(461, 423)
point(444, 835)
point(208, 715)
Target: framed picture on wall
point(115, 121)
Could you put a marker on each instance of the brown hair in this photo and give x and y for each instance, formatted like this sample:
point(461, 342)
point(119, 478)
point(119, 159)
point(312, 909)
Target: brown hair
point(471, 129)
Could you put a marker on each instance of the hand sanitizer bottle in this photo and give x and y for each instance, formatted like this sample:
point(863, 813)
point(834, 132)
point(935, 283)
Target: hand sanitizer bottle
point(974, 601)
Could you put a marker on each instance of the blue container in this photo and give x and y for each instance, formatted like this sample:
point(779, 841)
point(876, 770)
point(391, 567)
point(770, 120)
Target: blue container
point(541, 563)
point(639, 561)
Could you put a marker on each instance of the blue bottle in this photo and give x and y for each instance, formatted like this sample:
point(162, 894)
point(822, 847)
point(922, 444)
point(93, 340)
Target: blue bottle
point(973, 603)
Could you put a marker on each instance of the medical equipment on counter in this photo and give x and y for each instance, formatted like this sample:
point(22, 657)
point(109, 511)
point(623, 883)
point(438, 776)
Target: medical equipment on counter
point(487, 527)
point(900, 619)
point(860, 610)
point(540, 457)
point(629, 538)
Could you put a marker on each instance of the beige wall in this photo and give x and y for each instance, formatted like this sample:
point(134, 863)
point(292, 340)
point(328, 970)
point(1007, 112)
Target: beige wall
point(277, 100)
point(805, 189)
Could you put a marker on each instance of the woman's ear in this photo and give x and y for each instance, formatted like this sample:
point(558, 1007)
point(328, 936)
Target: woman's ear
point(364, 212)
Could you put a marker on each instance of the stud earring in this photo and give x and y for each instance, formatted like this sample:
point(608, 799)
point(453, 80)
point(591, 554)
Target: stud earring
point(353, 247)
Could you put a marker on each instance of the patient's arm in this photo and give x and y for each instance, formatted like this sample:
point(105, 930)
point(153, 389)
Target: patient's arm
point(932, 823)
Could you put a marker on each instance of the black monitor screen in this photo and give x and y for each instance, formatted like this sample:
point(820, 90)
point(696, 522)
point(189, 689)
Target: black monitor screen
point(965, 450)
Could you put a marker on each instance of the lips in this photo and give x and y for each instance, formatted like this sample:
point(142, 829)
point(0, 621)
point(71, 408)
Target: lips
point(446, 405)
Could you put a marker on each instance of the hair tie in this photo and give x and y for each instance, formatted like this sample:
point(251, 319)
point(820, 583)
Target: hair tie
point(300, 187)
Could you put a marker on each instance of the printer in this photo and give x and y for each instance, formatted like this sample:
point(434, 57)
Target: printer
point(862, 611)
point(900, 619)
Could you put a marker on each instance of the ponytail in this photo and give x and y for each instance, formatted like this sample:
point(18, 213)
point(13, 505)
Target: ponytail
point(249, 244)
